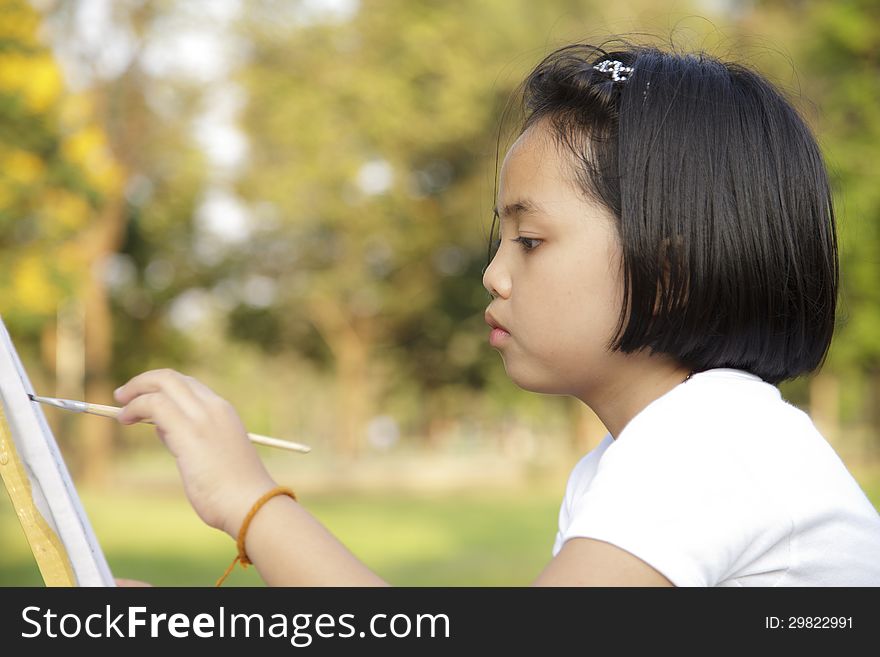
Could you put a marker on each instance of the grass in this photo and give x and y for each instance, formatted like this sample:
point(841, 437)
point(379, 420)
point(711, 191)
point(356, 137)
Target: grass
point(491, 537)
point(488, 538)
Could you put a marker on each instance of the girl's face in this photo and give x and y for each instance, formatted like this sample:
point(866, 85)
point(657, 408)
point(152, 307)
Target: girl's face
point(556, 278)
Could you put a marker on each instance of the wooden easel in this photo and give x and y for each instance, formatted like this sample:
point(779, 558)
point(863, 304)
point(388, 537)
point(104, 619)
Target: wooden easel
point(39, 485)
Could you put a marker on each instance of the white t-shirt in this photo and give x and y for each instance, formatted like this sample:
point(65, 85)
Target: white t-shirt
point(721, 482)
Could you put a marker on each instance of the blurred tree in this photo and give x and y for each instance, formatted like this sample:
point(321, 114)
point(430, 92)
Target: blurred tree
point(148, 113)
point(355, 234)
point(57, 176)
point(372, 151)
point(144, 261)
point(845, 58)
point(840, 68)
point(59, 210)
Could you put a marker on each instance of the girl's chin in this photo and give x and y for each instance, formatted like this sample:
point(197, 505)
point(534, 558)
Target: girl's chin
point(533, 381)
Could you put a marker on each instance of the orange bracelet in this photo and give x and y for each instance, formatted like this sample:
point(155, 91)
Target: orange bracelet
point(242, 557)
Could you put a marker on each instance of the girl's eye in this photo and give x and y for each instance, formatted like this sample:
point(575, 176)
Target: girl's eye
point(527, 243)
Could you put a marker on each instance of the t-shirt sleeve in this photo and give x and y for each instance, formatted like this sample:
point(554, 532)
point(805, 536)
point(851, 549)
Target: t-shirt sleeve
point(686, 504)
point(583, 472)
point(564, 508)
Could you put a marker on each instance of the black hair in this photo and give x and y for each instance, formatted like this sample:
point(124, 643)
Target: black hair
point(721, 201)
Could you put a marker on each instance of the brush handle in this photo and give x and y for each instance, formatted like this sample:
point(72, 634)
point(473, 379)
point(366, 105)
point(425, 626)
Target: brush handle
point(269, 441)
point(106, 411)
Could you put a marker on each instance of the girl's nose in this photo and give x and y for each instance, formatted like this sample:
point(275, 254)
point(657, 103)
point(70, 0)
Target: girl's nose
point(496, 280)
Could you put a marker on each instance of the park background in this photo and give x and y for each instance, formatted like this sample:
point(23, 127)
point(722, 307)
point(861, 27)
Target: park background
point(291, 201)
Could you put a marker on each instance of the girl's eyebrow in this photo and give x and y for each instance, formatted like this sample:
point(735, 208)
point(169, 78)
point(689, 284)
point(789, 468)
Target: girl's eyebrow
point(523, 206)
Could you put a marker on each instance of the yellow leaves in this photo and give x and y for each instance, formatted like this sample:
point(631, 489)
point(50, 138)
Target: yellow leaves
point(88, 149)
point(32, 290)
point(64, 211)
point(28, 70)
point(36, 278)
point(20, 22)
point(56, 171)
point(34, 78)
point(61, 211)
point(21, 167)
point(84, 146)
point(44, 84)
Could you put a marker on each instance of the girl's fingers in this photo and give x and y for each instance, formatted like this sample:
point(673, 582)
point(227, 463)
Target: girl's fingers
point(202, 391)
point(156, 407)
point(149, 381)
point(207, 438)
point(159, 409)
point(198, 395)
point(174, 384)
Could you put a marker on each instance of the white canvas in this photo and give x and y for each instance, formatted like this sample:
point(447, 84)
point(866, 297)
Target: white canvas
point(52, 489)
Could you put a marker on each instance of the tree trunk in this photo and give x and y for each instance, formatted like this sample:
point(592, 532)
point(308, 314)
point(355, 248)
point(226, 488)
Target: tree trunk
point(98, 436)
point(68, 364)
point(354, 391)
point(436, 419)
point(350, 348)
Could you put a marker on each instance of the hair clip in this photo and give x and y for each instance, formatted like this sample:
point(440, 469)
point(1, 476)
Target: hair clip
point(615, 67)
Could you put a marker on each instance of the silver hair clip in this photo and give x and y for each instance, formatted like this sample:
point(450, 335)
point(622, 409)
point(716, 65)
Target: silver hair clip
point(615, 67)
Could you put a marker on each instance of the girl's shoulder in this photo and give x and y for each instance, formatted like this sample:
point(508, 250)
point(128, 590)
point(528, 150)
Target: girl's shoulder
point(721, 415)
point(722, 421)
point(715, 402)
point(735, 426)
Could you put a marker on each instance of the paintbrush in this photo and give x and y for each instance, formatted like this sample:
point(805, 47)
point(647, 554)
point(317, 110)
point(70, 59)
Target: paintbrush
point(113, 411)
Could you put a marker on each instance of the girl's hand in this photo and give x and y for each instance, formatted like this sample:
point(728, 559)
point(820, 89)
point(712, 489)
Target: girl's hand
point(221, 470)
point(131, 583)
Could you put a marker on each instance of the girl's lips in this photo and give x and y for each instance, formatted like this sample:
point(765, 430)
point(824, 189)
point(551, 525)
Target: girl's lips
point(498, 336)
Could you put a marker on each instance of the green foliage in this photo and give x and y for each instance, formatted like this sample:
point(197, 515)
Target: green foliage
point(56, 174)
point(373, 140)
point(372, 163)
point(844, 57)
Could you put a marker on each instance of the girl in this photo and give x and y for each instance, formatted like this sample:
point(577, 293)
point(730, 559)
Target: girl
point(667, 256)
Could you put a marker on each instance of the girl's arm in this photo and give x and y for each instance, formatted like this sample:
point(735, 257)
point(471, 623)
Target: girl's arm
point(589, 562)
point(289, 547)
point(223, 476)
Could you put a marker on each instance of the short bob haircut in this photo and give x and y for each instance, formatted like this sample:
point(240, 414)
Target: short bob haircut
point(720, 197)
